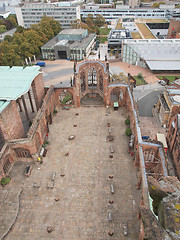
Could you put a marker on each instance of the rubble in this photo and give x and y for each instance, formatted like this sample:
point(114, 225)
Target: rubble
point(166, 205)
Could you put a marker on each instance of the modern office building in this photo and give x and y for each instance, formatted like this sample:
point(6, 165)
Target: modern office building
point(112, 14)
point(64, 12)
point(155, 54)
point(115, 38)
point(72, 44)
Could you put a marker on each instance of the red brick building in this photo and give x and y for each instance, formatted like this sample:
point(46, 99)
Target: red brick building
point(174, 28)
point(21, 94)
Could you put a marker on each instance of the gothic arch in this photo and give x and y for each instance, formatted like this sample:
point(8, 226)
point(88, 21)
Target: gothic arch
point(92, 78)
point(116, 95)
point(65, 97)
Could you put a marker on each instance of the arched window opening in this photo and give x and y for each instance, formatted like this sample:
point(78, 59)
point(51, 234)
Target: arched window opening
point(83, 82)
point(92, 78)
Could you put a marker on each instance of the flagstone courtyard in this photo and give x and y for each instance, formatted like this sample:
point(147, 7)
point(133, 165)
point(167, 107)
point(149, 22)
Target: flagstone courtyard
point(75, 205)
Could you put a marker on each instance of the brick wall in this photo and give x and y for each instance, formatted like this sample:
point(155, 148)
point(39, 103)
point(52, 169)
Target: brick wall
point(173, 140)
point(10, 122)
point(38, 90)
point(30, 146)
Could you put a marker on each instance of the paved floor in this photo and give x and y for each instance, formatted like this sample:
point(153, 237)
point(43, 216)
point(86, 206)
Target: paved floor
point(81, 209)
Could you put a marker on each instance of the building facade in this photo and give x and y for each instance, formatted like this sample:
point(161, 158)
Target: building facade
point(71, 44)
point(112, 14)
point(64, 12)
point(115, 38)
point(168, 105)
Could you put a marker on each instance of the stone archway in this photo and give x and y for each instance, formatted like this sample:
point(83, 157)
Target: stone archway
point(91, 81)
point(7, 163)
point(65, 97)
point(21, 152)
point(116, 95)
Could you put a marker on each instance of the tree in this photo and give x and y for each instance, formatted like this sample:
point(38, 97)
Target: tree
point(26, 42)
point(13, 20)
point(8, 24)
point(78, 24)
point(90, 23)
point(156, 5)
point(49, 26)
point(99, 20)
point(20, 29)
point(8, 56)
point(2, 28)
point(8, 38)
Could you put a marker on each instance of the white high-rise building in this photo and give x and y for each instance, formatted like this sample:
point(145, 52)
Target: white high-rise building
point(64, 12)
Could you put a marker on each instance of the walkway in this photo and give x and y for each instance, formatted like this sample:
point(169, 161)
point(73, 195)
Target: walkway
point(134, 70)
point(76, 204)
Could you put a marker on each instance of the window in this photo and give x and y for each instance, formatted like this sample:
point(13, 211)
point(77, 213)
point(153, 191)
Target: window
point(92, 77)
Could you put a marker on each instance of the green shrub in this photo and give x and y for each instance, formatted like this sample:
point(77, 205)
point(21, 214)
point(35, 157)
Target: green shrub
point(55, 111)
point(5, 181)
point(140, 75)
point(127, 121)
point(128, 132)
point(46, 142)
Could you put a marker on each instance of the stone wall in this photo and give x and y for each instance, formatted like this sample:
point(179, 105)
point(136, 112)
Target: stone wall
point(38, 90)
point(31, 146)
point(10, 122)
point(173, 141)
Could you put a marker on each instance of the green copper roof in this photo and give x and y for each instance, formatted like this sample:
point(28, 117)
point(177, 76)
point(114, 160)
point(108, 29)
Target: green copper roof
point(16, 81)
point(3, 105)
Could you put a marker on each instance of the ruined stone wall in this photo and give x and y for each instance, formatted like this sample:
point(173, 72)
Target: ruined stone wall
point(111, 87)
point(11, 123)
point(31, 146)
point(84, 67)
point(6, 152)
point(38, 90)
point(174, 110)
point(57, 92)
point(173, 140)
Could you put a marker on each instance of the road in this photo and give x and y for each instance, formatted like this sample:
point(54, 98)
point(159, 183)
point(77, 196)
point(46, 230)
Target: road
point(146, 103)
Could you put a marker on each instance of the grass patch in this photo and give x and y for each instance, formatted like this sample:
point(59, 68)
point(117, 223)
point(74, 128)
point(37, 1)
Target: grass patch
point(139, 80)
point(170, 78)
point(104, 31)
point(145, 31)
point(5, 181)
point(136, 35)
point(102, 39)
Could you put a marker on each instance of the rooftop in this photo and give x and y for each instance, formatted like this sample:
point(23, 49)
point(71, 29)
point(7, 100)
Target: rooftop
point(159, 54)
point(15, 81)
point(75, 44)
point(72, 31)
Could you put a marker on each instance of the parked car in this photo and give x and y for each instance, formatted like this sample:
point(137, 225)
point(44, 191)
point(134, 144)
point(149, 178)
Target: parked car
point(162, 82)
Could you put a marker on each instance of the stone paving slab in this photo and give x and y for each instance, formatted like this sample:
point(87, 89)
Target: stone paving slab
point(80, 211)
